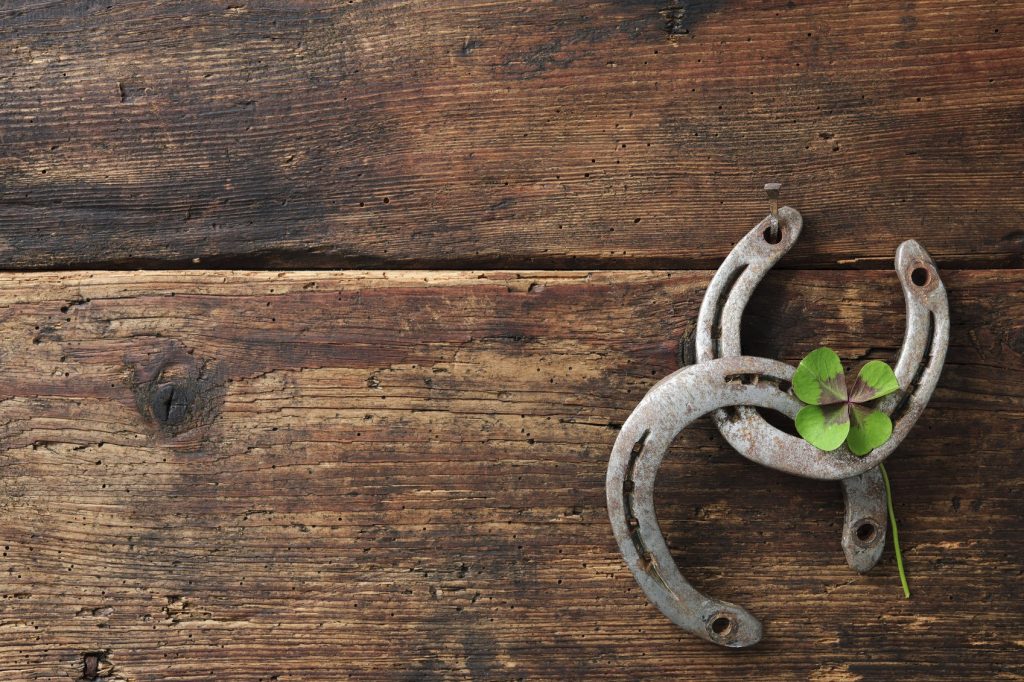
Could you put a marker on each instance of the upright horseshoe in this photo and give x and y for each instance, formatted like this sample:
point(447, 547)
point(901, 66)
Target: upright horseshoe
point(718, 335)
point(674, 402)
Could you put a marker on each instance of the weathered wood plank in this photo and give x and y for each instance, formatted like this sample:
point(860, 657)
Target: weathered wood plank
point(629, 133)
point(400, 475)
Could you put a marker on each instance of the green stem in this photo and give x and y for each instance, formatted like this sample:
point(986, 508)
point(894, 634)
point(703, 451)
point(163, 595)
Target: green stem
point(895, 533)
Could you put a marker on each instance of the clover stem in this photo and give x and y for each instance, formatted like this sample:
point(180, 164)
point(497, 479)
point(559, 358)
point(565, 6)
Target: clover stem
point(895, 532)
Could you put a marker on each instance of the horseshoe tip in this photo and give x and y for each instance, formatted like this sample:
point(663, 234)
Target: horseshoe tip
point(911, 249)
point(793, 220)
point(915, 266)
point(762, 241)
point(732, 626)
point(863, 559)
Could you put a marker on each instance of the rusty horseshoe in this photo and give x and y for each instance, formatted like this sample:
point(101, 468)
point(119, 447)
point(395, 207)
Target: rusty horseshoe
point(724, 379)
point(718, 335)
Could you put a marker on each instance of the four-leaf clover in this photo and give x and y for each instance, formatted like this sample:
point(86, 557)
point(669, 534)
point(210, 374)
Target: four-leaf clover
point(834, 414)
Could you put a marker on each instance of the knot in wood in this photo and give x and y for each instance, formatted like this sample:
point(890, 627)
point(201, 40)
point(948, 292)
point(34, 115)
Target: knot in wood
point(173, 388)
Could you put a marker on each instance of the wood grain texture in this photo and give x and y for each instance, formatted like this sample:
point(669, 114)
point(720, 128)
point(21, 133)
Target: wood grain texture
point(400, 475)
point(626, 133)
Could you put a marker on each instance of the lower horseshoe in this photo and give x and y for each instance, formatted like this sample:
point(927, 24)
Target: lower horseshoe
point(718, 335)
point(670, 406)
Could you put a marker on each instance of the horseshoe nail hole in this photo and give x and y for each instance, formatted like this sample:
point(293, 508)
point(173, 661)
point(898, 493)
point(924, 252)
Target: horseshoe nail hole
point(919, 276)
point(721, 626)
point(867, 532)
point(768, 235)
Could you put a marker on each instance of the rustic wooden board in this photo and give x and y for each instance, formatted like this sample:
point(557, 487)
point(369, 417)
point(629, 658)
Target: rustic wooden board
point(562, 133)
point(401, 475)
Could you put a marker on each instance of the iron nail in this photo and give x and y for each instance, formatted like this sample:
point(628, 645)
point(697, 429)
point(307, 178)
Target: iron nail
point(772, 190)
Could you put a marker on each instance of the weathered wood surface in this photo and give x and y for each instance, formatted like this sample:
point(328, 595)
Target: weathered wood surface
point(629, 133)
point(401, 475)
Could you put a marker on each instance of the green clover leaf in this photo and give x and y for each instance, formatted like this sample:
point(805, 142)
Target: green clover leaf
point(819, 379)
point(834, 415)
point(825, 427)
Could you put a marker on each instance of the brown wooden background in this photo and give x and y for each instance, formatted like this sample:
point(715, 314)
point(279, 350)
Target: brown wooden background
point(219, 463)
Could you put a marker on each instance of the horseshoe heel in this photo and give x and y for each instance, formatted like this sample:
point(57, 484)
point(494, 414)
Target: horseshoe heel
point(918, 368)
point(865, 521)
point(670, 406)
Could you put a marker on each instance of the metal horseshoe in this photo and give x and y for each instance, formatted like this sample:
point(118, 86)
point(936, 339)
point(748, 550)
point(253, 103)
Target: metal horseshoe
point(718, 335)
point(740, 381)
